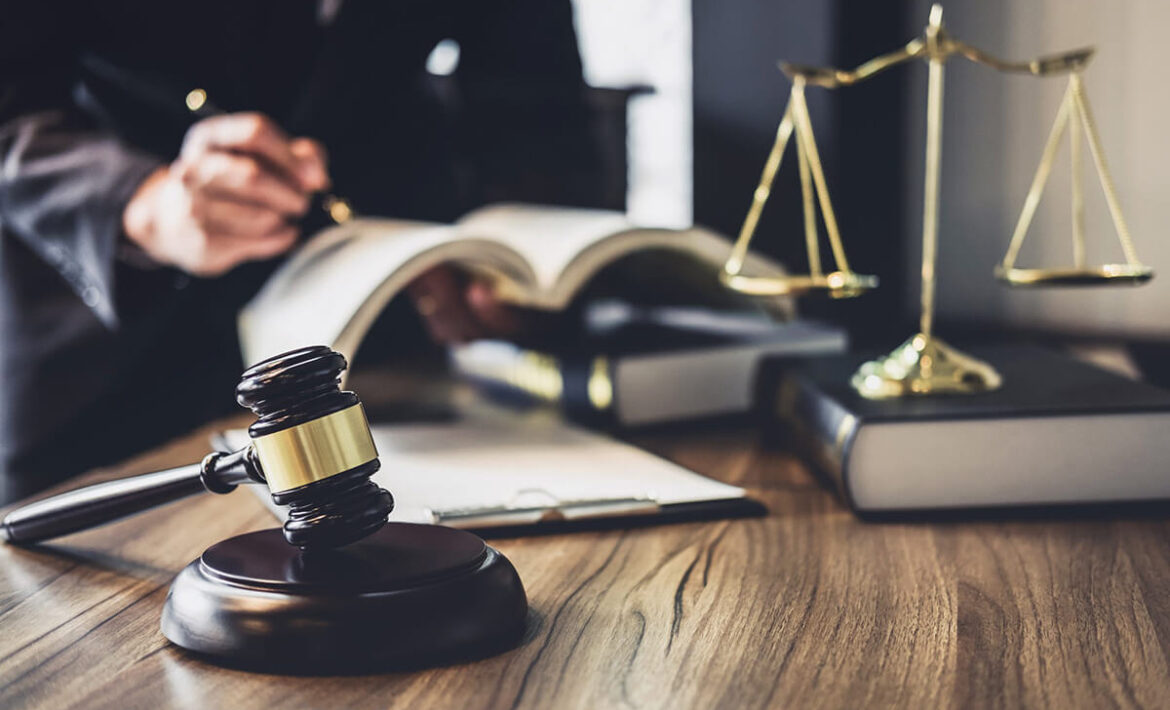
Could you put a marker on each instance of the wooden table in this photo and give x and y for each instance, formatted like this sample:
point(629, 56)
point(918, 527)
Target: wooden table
point(806, 607)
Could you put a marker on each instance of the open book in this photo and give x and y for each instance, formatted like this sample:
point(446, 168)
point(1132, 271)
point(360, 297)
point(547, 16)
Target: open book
point(331, 291)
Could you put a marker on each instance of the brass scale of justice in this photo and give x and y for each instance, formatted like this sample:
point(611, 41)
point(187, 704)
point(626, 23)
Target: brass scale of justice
point(924, 364)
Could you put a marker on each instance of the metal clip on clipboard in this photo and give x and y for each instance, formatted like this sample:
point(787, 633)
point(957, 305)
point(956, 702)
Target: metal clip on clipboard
point(519, 512)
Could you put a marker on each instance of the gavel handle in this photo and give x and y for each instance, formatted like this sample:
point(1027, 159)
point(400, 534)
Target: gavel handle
point(106, 502)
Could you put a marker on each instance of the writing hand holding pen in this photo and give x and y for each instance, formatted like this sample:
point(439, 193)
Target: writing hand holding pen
point(336, 208)
point(236, 193)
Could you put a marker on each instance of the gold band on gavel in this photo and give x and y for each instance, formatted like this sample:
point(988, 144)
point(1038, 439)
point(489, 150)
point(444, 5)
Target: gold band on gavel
point(315, 450)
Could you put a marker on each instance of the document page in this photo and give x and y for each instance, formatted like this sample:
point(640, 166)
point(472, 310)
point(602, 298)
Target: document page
point(436, 468)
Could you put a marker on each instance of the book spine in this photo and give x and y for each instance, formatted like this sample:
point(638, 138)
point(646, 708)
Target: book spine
point(582, 389)
point(818, 428)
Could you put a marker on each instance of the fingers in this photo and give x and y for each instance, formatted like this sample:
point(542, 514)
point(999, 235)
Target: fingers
point(300, 161)
point(243, 179)
point(456, 312)
point(238, 219)
point(229, 233)
point(438, 295)
point(250, 133)
point(223, 252)
point(495, 317)
point(312, 162)
point(266, 247)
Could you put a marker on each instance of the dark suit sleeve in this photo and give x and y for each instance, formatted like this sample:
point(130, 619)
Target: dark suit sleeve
point(64, 181)
point(526, 122)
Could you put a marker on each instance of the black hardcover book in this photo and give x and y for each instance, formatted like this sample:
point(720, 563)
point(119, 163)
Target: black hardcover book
point(654, 366)
point(1059, 431)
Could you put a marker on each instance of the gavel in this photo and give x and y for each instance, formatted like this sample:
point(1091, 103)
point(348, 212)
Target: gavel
point(310, 444)
point(350, 589)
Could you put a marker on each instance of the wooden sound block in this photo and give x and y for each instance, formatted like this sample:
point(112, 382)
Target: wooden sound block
point(406, 596)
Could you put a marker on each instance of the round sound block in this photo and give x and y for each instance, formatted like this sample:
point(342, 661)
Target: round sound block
point(406, 596)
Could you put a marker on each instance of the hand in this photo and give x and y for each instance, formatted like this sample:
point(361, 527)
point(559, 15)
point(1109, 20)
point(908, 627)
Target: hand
point(233, 195)
point(456, 310)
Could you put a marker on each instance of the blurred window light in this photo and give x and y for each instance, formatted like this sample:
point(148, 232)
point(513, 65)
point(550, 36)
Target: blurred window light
point(444, 58)
point(629, 42)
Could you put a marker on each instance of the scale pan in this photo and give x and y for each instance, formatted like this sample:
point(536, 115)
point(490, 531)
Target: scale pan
point(838, 284)
point(1103, 275)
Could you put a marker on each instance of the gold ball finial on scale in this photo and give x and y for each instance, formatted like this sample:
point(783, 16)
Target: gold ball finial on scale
point(924, 364)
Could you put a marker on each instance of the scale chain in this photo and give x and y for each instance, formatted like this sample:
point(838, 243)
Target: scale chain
point(1078, 199)
point(1036, 191)
point(806, 193)
point(1082, 105)
point(804, 134)
point(760, 196)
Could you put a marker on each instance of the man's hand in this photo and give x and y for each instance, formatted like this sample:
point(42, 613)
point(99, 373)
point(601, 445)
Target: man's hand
point(233, 195)
point(456, 310)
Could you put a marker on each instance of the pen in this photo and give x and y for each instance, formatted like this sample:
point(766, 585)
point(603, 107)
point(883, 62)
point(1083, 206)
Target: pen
point(166, 97)
point(501, 515)
point(338, 208)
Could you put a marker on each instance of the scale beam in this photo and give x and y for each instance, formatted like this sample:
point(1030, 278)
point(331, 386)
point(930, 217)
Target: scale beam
point(938, 44)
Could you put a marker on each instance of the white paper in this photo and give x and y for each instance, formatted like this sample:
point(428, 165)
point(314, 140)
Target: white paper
point(485, 464)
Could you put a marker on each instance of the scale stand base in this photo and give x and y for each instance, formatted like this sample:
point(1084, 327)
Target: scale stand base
point(408, 596)
point(924, 365)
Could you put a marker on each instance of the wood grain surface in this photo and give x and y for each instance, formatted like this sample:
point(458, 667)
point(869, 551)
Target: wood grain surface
point(807, 607)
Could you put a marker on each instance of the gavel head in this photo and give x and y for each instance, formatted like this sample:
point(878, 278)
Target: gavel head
point(312, 444)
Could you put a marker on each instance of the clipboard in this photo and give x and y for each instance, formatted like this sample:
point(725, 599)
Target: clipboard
point(506, 477)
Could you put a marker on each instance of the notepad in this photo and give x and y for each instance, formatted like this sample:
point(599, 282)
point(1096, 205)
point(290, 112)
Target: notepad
point(477, 474)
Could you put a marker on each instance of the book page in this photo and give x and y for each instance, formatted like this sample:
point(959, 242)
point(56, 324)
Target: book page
point(431, 468)
point(331, 290)
point(550, 238)
point(567, 246)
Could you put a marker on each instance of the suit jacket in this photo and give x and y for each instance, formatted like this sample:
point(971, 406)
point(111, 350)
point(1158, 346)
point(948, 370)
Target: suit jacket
point(99, 356)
